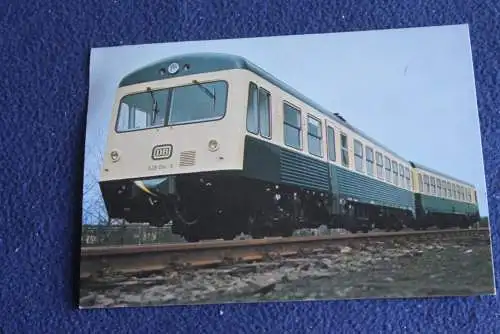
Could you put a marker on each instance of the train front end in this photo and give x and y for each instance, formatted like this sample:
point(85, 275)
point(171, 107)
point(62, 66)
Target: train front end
point(174, 138)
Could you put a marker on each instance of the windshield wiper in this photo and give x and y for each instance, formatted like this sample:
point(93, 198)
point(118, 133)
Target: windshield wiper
point(205, 89)
point(155, 106)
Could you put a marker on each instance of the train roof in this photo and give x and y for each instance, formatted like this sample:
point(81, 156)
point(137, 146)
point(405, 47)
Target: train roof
point(430, 170)
point(212, 62)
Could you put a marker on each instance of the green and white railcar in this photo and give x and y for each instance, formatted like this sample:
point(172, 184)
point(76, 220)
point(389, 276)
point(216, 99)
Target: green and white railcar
point(219, 146)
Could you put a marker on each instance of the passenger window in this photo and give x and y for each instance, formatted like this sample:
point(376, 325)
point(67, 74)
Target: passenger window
point(387, 169)
point(426, 184)
point(401, 176)
point(433, 185)
point(331, 143)
point(314, 136)
point(369, 161)
point(395, 172)
point(407, 176)
point(345, 150)
point(292, 126)
point(380, 165)
point(358, 155)
point(252, 109)
point(265, 113)
point(420, 183)
point(454, 191)
point(438, 186)
point(259, 111)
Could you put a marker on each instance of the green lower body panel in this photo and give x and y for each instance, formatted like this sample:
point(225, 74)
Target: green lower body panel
point(303, 171)
point(443, 205)
point(368, 190)
point(268, 162)
point(261, 160)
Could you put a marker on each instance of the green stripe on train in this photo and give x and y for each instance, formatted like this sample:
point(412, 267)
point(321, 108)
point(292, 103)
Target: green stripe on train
point(367, 190)
point(435, 204)
point(269, 162)
point(303, 171)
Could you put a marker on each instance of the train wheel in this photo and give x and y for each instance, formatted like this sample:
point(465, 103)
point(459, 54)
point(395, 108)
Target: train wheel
point(192, 234)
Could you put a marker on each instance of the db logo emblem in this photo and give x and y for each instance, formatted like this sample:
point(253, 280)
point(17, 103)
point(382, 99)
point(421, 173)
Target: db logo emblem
point(161, 152)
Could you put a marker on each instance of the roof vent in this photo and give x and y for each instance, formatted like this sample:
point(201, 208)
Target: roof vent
point(340, 116)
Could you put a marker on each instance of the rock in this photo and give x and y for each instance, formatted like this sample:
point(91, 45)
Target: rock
point(326, 263)
point(105, 302)
point(244, 269)
point(168, 297)
point(88, 300)
point(264, 283)
point(151, 280)
point(418, 253)
point(132, 299)
point(305, 267)
point(323, 230)
point(345, 249)
point(115, 293)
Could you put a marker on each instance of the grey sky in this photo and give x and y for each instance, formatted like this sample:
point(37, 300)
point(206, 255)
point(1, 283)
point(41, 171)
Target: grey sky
point(411, 89)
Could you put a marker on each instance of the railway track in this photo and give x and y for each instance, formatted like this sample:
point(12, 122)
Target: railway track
point(132, 259)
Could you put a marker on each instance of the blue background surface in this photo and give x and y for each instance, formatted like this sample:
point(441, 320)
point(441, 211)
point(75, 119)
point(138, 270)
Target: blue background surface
point(44, 53)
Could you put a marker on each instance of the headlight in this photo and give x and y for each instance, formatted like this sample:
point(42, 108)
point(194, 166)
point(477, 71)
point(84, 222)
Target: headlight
point(213, 145)
point(173, 68)
point(115, 155)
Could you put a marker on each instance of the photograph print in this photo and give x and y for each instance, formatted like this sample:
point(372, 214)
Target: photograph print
point(287, 168)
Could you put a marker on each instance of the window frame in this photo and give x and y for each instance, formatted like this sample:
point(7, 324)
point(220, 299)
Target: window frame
point(380, 165)
point(427, 185)
point(334, 146)
point(346, 149)
point(370, 171)
point(401, 175)
point(395, 176)
point(259, 90)
point(361, 158)
point(408, 178)
point(432, 182)
point(300, 128)
point(320, 138)
point(169, 92)
point(388, 171)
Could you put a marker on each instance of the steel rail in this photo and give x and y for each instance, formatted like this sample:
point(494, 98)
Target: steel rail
point(96, 261)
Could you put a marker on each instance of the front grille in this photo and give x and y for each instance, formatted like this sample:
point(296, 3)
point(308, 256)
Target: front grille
point(188, 158)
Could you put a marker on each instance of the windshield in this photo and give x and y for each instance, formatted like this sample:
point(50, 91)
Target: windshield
point(197, 102)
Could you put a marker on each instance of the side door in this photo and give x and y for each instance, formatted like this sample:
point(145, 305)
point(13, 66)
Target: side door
point(332, 157)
